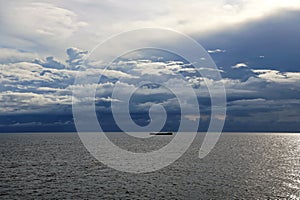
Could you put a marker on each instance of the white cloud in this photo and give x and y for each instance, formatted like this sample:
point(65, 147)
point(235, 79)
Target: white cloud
point(8, 55)
point(37, 25)
point(108, 99)
point(247, 102)
point(194, 16)
point(277, 76)
point(29, 86)
point(42, 19)
point(192, 117)
point(22, 72)
point(52, 26)
point(50, 62)
point(239, 65)
point(18, 102)
point(32, 74)
point(153, 68)
point(216, 51)
point(75, 57)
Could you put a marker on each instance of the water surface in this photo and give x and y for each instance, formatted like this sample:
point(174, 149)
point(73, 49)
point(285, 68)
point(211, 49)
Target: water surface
point(242, 166)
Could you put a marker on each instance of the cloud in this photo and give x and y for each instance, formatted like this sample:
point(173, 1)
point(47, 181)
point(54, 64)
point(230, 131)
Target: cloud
point(211, 15)
point(50, 62)
point(192, 117)
point(239, 65)
point(107, 99)
point(41, 26)
point(46, 86)
point(29, 102)
point(278, 77)
point(33, 81)
point(152, 68)
point(9, 55)
point(37, 123)
point(264, 111)
point(216, 51)
point(52, 26)
point(273, 37)
point(40, 19)
point(76, 57)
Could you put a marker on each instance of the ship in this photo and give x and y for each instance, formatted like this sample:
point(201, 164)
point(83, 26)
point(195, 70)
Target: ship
point(162, 133)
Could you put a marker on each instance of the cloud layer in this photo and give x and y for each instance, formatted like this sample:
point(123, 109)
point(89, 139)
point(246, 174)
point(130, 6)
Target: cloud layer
point(45, 86)
point(52, 26)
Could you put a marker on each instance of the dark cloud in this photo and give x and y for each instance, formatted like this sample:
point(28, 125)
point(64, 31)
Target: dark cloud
point(272, 42)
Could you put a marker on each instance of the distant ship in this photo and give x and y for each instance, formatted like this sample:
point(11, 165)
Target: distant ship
point(162, 133)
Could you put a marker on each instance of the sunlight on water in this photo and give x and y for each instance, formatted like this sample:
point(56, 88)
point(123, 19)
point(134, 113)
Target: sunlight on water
point(241, 166)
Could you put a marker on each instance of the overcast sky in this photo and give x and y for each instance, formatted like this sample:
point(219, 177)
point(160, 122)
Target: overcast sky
point(254, 43)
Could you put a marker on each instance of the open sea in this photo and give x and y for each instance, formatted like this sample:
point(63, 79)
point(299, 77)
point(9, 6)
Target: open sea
point(241, 166)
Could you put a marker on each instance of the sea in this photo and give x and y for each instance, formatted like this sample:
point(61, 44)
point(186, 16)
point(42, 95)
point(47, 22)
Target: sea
point(241, 166)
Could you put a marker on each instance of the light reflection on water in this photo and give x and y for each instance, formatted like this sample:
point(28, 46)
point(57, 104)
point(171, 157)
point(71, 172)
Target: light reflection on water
point(242, 166)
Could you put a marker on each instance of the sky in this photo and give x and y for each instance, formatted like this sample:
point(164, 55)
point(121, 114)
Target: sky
point(254, 43)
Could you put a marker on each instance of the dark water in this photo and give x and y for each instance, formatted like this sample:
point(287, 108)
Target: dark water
point(242, 166)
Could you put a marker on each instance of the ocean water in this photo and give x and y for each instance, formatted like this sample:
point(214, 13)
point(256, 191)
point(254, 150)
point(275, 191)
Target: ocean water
point(241, 166)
